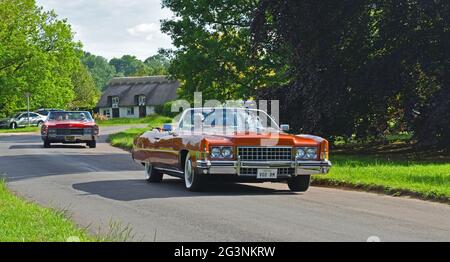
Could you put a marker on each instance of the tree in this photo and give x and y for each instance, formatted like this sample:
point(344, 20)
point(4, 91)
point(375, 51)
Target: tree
point(99, 68)
point(86, 92)
point(37, 55)
point(359, 67)
point(214, 54)
point(129, 65)
point(157, 64)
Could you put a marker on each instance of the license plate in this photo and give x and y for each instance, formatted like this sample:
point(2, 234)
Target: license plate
point(267, 173)
point(70, 138)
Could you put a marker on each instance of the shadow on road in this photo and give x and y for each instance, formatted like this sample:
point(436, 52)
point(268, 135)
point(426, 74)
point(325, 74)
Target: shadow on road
point(20, 167)
point(33, 146)
point(36, 138)
point(129, 190)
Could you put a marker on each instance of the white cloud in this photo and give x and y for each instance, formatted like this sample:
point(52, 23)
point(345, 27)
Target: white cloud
point(112, 28)
point(144, 29)
point(149, 32)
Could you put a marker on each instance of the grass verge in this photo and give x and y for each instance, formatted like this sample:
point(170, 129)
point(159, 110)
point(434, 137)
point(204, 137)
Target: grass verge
point(425, 180)
point(125, 139)
point(21, 221)
point(20, 130)
point(130, 121)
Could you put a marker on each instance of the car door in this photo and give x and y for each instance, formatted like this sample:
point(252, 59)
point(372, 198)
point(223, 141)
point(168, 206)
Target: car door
point(22, 120)
point(168, 155)
point(34, 118)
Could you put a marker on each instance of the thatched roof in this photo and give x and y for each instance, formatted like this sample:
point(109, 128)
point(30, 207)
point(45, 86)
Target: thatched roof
point(157, 90)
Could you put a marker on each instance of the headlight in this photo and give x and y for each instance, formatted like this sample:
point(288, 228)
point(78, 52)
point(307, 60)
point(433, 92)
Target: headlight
point(221, 152)
point(87, 130)
point(311, 153)
point(306, 153)
point(300, 153)
point(52, 130)
point(215, 152)
point(227, 152)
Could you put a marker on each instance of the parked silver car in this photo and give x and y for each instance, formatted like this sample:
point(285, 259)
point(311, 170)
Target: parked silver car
point(21, 120)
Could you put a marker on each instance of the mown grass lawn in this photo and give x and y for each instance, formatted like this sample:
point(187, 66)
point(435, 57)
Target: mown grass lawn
point(392, 176)
point(125, 139)
point(22, 221)
point(154, 119)
point(20, 130)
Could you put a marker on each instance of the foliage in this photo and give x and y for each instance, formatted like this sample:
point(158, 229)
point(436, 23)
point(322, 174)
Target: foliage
point(37, 55)
point(214, 53)
point(99, 68)
point(366, 68)
point(86, 93)
point(128, 65)
point(166, 110)
point(131, 66)
point(157, 64)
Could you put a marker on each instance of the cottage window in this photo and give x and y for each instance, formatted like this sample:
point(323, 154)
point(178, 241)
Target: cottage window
point(130, 111)
point(115, 102)
point(142, 100)
point(107, 113)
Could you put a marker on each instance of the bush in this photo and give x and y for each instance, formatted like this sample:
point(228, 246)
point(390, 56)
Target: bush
point(99, 117)
point(166, 110)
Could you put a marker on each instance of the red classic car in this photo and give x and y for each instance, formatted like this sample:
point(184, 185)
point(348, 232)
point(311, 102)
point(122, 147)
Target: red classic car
point(69, 128)
point(237, 144)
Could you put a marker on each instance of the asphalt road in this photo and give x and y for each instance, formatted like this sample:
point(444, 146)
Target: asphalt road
point(102, 186)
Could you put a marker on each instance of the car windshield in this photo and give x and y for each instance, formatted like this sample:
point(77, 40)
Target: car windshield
point(234, 119)
point(70, 116)
point(17, 115)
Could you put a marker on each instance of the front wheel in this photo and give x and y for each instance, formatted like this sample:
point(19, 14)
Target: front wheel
point(192, 181)
point(92, 144)
point(13, 126)
point(39, 124)
point(151, 175)
point(299, 183)
point(47, 144)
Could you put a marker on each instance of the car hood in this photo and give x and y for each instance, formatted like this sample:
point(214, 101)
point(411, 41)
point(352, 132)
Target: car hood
point(263, 139)
point(69, 124)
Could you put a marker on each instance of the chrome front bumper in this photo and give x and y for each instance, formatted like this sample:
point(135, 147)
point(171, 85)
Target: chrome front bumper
point(235, 167)
point(69, 138)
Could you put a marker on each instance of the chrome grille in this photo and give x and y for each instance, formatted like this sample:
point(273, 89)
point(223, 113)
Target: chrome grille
point(247, 171)
point(67, 131)
point(265, 153)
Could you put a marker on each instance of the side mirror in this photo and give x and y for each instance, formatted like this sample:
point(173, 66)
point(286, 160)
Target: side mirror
point(168, 127)
point(284, 128)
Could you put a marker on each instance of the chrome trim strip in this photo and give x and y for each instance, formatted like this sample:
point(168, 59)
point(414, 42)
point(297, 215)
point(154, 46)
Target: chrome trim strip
point(285, 147)
point(169, 170)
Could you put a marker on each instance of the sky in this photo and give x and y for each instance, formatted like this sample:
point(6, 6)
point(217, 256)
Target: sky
point(113, 28)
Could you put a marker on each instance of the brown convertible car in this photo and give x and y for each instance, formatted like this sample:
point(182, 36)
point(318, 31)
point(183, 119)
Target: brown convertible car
point(237, 144)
